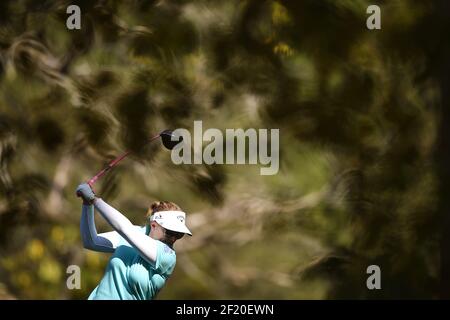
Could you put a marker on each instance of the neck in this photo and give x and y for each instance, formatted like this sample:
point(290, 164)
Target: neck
point(170, 244)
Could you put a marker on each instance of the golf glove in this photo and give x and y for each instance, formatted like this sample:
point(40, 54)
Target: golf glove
point(85, 192)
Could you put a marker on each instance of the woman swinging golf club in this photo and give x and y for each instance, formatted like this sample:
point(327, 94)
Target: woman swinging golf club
point(143, 257)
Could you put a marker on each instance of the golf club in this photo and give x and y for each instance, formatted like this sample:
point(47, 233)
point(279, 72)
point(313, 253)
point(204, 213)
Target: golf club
point(169, 141)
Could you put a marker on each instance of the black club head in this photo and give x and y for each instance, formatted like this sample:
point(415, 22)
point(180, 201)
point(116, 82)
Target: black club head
point(169, 139)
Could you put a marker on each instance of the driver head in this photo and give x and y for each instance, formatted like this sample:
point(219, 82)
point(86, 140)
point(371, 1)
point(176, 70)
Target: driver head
point(169, 139)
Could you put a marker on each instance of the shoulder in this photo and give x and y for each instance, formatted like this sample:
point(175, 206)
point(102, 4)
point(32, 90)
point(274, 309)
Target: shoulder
point(166, 257)
point(164, 248)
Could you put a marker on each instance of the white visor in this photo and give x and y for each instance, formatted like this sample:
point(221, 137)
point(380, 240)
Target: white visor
point(171, 220)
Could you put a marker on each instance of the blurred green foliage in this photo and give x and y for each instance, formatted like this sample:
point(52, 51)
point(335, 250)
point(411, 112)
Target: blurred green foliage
point(363, 118)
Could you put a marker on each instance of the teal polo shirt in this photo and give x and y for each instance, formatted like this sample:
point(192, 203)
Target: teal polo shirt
point(129, 277)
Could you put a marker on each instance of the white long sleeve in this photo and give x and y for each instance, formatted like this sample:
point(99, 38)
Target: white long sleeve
point(146, 246)
point(103, 242)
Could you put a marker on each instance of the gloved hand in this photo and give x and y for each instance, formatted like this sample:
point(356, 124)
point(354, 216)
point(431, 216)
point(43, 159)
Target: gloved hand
point(85, 192)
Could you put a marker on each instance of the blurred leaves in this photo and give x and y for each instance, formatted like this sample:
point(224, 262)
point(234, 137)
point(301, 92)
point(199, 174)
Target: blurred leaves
point(133, 110)
point(359, 114)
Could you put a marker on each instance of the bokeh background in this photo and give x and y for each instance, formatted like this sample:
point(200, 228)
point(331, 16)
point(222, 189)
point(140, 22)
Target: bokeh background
point(364, 119)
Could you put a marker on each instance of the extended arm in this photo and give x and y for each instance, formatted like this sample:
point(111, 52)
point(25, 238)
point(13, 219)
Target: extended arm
point(104, 242)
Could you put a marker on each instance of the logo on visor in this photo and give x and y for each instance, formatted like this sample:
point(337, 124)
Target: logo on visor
point(181, 218)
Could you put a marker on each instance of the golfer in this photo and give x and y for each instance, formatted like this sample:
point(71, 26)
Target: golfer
point(143, 257)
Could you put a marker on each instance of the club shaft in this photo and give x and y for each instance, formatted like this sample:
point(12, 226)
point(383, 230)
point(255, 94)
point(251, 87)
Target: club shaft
point(112, 164)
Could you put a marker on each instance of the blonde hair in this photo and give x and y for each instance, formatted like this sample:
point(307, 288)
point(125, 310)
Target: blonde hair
point(162, 206)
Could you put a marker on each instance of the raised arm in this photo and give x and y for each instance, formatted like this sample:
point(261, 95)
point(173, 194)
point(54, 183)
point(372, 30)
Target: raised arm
point(146, 246)
point(103, 242)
